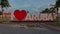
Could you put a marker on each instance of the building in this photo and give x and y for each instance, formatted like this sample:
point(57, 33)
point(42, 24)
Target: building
point(59, 12)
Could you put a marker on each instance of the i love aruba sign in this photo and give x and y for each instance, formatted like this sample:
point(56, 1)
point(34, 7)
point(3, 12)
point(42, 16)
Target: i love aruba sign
point(23, 15)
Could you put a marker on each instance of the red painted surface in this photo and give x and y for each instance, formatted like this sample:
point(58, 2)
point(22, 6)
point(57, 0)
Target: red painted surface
point(20, 14)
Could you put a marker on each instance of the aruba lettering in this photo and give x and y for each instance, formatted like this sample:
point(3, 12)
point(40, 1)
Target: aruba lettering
point(39, 17)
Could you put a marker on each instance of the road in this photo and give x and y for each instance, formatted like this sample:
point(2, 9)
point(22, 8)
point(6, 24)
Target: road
point(18, 30)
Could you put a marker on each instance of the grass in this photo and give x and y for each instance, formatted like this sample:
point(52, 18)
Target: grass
point(56, 23)
point(32, 25)
point(4, 19)
point(58, 19)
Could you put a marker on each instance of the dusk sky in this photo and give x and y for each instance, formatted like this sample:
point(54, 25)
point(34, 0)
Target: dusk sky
point(30, 5)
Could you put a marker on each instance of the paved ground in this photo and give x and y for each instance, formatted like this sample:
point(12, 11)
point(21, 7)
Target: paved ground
point(18, 30)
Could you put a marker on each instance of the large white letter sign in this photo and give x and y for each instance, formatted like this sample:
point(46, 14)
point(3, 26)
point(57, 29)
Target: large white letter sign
point(35, 17)
point(44, 17)
point(50, 17)
point(40, 17)
point(28, 17)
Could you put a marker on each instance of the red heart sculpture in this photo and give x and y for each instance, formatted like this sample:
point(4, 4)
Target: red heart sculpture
point(20, 15)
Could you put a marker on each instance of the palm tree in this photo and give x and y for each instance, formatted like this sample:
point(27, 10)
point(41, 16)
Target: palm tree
point(0, 13)
point(4, 4)
point(57, 5)
point(27, 11)
point(46, 11)
point(52, 10)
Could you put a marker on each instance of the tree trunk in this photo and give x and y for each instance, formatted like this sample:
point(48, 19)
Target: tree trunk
point(57, 14)
point(2, 11)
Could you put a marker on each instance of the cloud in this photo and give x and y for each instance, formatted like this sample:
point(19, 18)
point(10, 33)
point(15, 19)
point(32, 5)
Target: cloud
point(31, 5)
point(25, 5)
